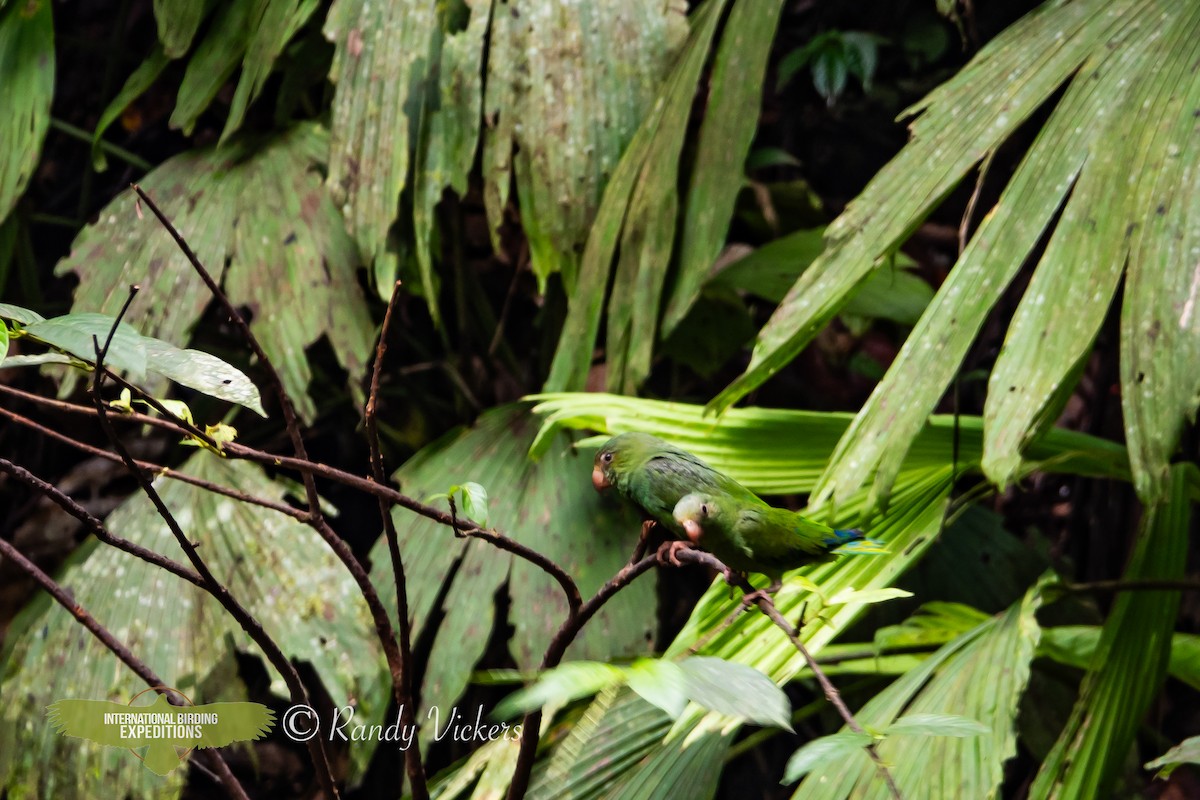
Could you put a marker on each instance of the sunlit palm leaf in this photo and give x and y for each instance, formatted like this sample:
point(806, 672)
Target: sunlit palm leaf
point(278, 568)
point(783, 451)
point(981, 674)
point(1130, 662)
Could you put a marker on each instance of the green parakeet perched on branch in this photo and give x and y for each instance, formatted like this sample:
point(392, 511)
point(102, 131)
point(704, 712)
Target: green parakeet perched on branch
point(755, 537)
point(654, 475)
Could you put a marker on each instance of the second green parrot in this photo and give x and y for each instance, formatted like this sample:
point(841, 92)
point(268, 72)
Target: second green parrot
point(755, 537)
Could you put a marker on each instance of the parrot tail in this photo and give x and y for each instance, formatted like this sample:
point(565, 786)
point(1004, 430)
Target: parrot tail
point(855, 542)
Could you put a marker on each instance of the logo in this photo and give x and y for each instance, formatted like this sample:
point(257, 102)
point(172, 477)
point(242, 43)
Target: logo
point(162, 728)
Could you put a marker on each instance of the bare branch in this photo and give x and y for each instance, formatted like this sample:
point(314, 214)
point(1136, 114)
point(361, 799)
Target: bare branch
point(402, 687)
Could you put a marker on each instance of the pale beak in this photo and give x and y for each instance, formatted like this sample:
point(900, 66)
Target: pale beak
point(599, 480)
point(693, 530)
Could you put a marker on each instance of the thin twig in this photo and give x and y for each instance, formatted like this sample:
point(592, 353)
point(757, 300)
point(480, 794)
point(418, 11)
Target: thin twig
point(247, 621)
point(964, 225)
point(139, 667)
point(96, 526)
point(402, 684)
point(831, 693)
point(152, 468)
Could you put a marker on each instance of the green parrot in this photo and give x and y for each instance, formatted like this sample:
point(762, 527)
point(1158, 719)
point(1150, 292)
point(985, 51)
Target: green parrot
point(654, 475)
point(756, 537)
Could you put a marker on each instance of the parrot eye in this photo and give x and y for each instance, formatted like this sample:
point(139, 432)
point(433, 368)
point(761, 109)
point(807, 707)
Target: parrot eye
point(606, 458)
point(704, 509)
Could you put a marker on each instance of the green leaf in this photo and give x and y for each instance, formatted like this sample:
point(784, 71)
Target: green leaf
point(213, 64)
point(954, 725)
point(840, 747)
point(618, 717)
point(1160, 317)
point(3, 342)
point(559, 686)
point(735, 690)
point(866, 596)
point(638, 212)
point(140, 354)
point(1186, 752)
point(972, 685)
point(768, 272)
point(382, 58)
point(1130, 662)
point(472, 500)
point(260, 207)
point(661, 683)
point(18, 314)
point(960, 123)
point(27, 64)
point(271, 24)
point(277, 567)
point(81, 334)
point(178, 21)
point(1075, 645)
point(135, 86)
point(1069, 295)
point(203, 372)
point(756, 447)
point(829, 71)
point(764, 157)
point(39, 359)
point(648, 231)
point(730, 121)
point(933, 623)
point(449, 134)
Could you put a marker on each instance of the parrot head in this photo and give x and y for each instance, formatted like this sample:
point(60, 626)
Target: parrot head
point(620, 455)
point(693, 512)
